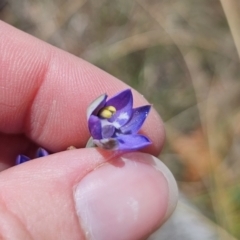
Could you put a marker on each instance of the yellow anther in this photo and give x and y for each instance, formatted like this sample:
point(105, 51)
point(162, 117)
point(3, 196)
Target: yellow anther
point(107, 112)
point(111, 109)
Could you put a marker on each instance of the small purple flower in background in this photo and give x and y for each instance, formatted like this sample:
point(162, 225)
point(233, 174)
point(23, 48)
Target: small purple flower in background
point(114, 123)
point(22, 158)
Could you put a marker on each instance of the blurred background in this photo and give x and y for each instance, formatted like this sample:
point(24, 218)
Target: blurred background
point(183, 57)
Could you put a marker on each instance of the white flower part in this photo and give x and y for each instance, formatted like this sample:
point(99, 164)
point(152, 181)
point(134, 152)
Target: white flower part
point(105, 122)
point(90, 143)
point(94, 105)
point(122, 116)
point(116, 125)
point(108, 143)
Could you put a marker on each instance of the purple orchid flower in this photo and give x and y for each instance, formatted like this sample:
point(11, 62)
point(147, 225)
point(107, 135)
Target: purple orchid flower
point(22, 158)
point(114, 123)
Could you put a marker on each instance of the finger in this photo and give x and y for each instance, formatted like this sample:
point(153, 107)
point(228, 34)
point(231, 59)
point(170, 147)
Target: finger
point(85, 193)
point(44, 92)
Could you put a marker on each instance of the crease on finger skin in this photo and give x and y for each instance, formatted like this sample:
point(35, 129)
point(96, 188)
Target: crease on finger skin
point(22, 67)
point(11, 226)
point(43, 76)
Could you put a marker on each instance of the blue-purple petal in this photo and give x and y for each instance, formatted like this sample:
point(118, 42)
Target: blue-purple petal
point(120, 131)
point(123, 103)
point(108, 131)
point(139, 115)
point(21, 159)
point(121, 100)
point(95, 128)
point(41, 152)
point(132, 142)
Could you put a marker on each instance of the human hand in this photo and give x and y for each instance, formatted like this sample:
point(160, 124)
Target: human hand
point(76, 194)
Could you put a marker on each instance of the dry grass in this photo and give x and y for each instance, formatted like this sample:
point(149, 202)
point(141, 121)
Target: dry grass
point(184, 58)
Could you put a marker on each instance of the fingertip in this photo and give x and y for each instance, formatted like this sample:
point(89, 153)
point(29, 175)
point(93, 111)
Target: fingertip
point(127, 198)
point(90, 193)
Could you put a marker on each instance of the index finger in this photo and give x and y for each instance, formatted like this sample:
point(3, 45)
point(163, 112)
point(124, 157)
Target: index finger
point(44, 93)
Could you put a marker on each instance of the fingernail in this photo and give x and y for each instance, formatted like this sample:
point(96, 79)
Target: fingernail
point(126, 198)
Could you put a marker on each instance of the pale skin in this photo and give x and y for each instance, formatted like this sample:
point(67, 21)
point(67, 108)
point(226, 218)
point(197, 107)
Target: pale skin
point(44, 94)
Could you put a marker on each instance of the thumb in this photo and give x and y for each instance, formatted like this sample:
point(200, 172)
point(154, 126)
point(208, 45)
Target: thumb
point(86, 193)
